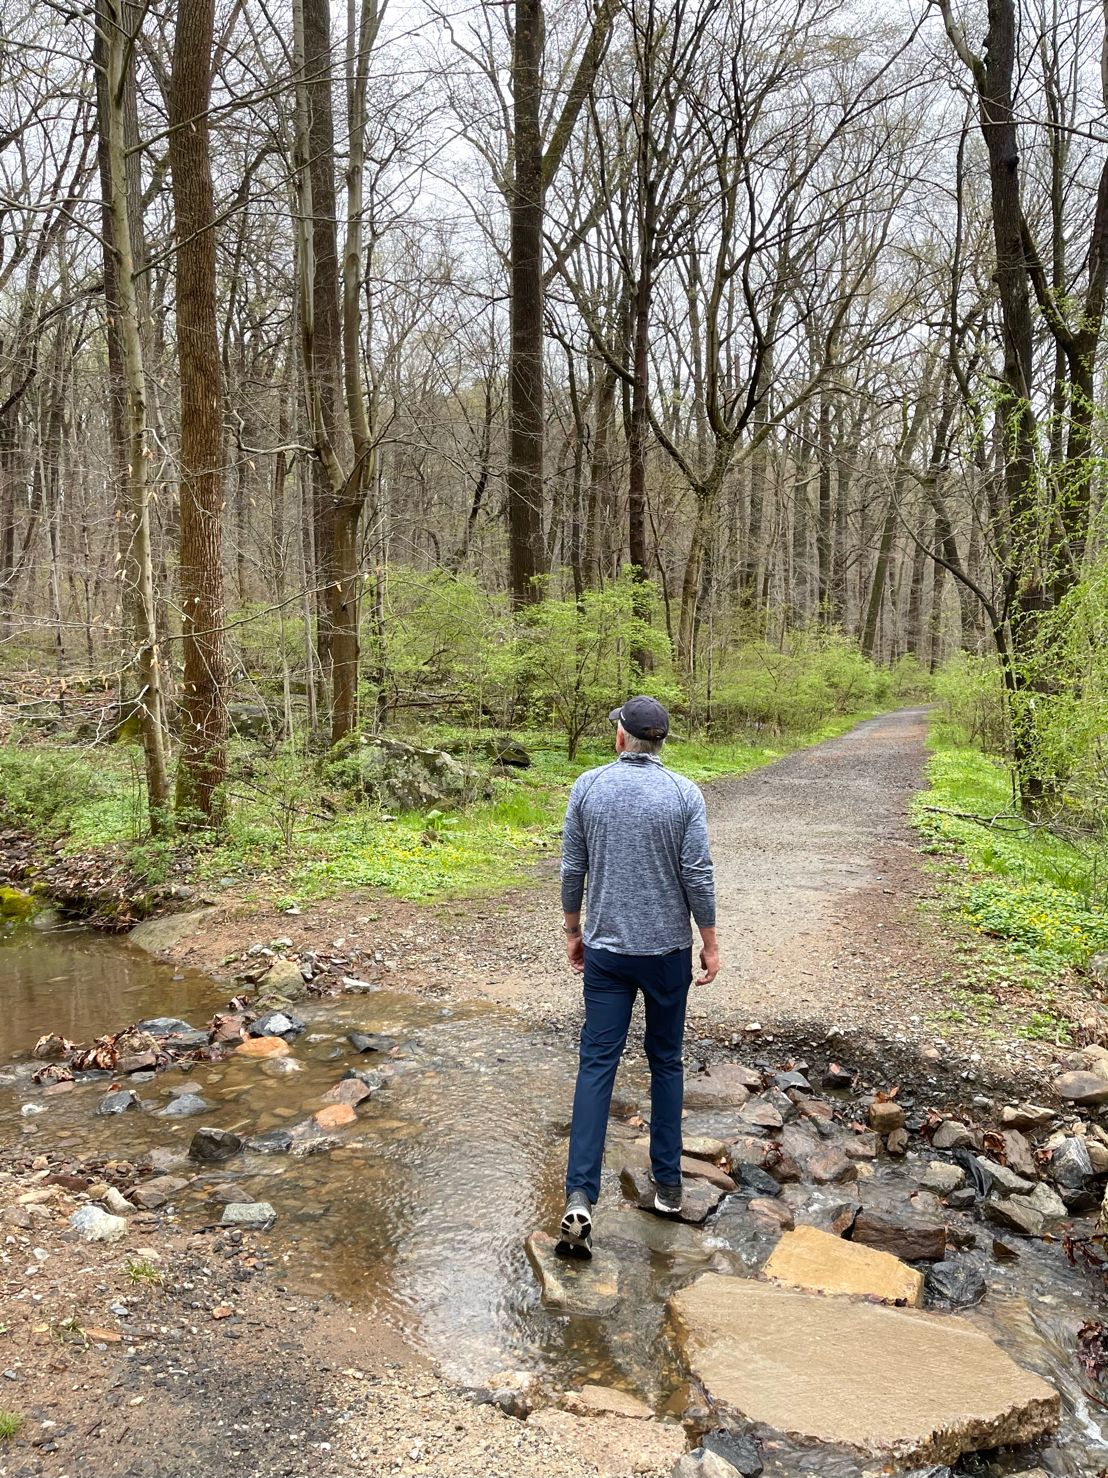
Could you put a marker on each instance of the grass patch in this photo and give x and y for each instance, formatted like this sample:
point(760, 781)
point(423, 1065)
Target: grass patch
point(1012, 882)
point(10, 1425)
point(283, 843)
point(142, 1270)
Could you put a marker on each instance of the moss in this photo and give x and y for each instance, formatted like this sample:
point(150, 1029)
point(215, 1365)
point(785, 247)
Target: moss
point(16, 906)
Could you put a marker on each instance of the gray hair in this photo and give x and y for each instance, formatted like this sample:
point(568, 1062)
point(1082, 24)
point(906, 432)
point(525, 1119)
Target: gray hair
point(634, 745)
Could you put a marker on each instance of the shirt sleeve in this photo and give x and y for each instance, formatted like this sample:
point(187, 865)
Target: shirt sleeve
point(575, 855)
point(697, 871)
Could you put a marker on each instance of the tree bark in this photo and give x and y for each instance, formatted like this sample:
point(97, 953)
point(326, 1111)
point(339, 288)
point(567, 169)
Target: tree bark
point(202, 766)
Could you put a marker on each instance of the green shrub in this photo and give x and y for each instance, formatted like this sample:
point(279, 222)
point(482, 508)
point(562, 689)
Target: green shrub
point(797, 685)
point(40, 788)
point(972, 707)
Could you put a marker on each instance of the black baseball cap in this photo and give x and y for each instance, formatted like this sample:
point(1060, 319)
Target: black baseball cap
point(643, 717)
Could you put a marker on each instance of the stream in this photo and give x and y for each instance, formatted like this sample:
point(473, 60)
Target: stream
point(420, 1216)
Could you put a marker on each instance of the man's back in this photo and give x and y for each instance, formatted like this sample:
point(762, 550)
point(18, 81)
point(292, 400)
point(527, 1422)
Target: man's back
point(639, 832)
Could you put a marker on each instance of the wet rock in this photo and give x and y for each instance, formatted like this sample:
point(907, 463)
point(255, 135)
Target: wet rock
point(157, 935)
point(1083, 1088)
point(792, 1360)
point(886, 1117)
point(703, 1147)
point(163, 1026)
point(271, 1142)
point(953, 1285)
point(194, 1040)
point(1002, 1180)
point(953, 1135)
point(335, 1116)
point(831, 1167)
point(1069, 1164)
point(286, 978)
point(760, 1117)
point(836, 1077)
point(575, 1285)
point(263, 1047)
point(214, 1146)
point(864, 1146)
point(753, 1178)
point(835, 1217)
point(913, 1240)
point(1015, 1214)
point(372, 1042)
point(227, 1193)
point(772, 1215)
point(156, 1192)
point(1017, 1152)
point(897, 1142)
point(702, 1462)
point(698, 1197)
point(277, 1024)
point(1025, 1116)
point(721, 1086)
point(250, 1215)
point(738, 1449)
point(309, 1139)
point(349, 1091)
point(821, 1263)
point(793, 1082)
point(183, 1106)
point(368, 1077)
point(119, 1102)
point(140, 1062)
point(607, 1401)
point(942, 1178)
point(612, 1448)
point(1047, 1202)
point(93, 1224)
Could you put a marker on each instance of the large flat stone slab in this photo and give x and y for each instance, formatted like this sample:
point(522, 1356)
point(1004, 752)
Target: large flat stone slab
point(815, 1260)
point(896, 1384)
point(156, 936)
point(575, 1285)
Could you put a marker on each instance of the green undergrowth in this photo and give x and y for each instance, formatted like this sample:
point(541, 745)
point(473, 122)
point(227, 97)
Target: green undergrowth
point(285, 841)
point(1033, 898)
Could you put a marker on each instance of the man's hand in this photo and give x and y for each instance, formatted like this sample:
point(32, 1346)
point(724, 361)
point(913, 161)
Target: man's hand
point(709, 957)
point(575, 952)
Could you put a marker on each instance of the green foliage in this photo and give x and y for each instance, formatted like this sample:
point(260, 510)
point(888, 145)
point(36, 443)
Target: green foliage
point(969, 692)
point(41, 789)
point(577, 657)
point(808, 678)
point(1021, 884)
point(10, 1425)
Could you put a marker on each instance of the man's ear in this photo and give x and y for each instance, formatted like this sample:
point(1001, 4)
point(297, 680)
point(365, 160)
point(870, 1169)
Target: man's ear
point(619, 739)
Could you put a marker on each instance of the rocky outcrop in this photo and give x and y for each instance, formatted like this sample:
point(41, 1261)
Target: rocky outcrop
point(398, 776)
point(937, 1386)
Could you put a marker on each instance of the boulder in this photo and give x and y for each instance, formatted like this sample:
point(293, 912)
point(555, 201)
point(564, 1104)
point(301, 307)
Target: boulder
point(251, 721)
point(692, 1168)
point(831, 1167)
point(214, 1146)
point(821, 1263)
point(771, 1215)
point(1015, 1214)
point(156, 936)
point(1025, 1116)
point(760, 1117)
point(864, 1146)
point(941, 1177)
point(837, 1077)
point(276, 1024)
point(703, 1147)
point(1003, 1180)
point(1083, 1088)
point(284, 978)
point(1047, 1202)
point(618, 1447)
point(737, 1449)
point(119, 1101)
point(607, 1401)
point(953, 1135)
point(953, 1285)
point(913, 1240)
point(397, 776)
point(792, 1082)
point(183, 1106)
point(724, 1086)
point(93, 1224)
point(575, 1285)
point(792, 1361)
point(1017, 1152)
point(348, 1090)
point(372, 1042)
point(1070, 1165)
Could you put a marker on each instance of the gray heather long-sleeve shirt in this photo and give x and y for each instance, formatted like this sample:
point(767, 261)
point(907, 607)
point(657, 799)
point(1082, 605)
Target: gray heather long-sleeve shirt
point(639, 832)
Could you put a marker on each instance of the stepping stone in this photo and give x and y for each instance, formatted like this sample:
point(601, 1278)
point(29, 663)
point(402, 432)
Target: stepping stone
point(913, 1240)
point(900, 1385)
point(693, 1168)
point(821, 1263)
point(253, 1215)
point(699, 1198)
point(722, 1086)
point(575, 1285)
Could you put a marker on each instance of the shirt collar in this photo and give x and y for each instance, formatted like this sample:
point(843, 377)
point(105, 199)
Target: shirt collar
point(637, 758)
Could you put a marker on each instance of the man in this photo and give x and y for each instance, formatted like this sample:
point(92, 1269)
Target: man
point(638, 832)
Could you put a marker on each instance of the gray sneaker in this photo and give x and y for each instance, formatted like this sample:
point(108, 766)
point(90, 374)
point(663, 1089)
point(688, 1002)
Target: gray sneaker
point(576, 1227)
point(667, 1198)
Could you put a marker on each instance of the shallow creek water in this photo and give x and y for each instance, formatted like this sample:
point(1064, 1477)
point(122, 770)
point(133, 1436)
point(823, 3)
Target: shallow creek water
point(420, 1215)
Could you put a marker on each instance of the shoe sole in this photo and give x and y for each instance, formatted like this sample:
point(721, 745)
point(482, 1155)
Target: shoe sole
point(576, 1235)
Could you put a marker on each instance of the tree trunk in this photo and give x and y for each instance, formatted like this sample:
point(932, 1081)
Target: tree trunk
point(203, 763)
point(139, 571)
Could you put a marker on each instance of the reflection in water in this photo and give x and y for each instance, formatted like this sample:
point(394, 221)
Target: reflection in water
point(420, 1214)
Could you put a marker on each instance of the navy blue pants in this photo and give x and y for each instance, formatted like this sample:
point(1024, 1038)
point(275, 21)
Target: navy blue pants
point(611, 983)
